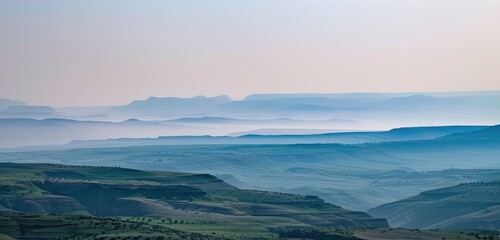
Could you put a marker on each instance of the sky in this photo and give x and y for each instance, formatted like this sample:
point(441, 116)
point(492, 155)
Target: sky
point(87, 53)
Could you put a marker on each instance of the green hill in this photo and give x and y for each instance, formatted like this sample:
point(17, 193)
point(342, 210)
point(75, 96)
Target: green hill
point(121, 192)
point(465, 206)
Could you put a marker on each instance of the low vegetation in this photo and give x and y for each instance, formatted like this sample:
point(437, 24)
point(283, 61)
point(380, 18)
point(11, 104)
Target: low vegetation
point(39, 200)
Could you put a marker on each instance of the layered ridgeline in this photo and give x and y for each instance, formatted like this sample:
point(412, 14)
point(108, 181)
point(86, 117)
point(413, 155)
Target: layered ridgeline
point(393, 135)
point(421, 108)
point(55, 131)
point(442, 108)
point(359, 177)
point(112, 191)
point(473, 205)
point(268, 114)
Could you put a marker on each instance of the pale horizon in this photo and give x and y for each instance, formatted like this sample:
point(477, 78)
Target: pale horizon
point(93, 53)
point(245, 96)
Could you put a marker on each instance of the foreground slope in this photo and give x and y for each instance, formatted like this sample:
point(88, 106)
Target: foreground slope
point(465, 206)
point(107, 191)
point(68, 226)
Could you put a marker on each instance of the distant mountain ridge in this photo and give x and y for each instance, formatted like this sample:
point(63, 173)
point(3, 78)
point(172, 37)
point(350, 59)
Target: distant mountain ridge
point(397, 134)
point(284, 114)
point(390, 109)
point(165, 106)
point(367, 95)
point(28, 109)
point(5, 103)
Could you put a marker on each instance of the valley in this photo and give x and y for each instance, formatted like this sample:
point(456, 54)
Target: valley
point(51, 201)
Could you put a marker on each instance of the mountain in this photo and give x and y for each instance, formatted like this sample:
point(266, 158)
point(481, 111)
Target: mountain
point(368, 96)
point(283, 106)
point(161, 107)
point(5, 103)
point(24, 111)
point(384, 110)
point(359, 95)
point(28, 109)
point(466, 206)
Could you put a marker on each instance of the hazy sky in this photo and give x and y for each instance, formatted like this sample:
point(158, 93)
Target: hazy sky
point(64, 53)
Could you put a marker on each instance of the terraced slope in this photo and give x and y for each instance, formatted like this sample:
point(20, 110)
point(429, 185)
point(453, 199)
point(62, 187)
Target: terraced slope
point(113, 191)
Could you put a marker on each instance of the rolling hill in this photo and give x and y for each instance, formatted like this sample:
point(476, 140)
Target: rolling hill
point(489, 134)
point(473, 205)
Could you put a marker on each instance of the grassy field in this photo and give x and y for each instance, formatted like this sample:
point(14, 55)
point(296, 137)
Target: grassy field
point(88, 227)
point(52, 226)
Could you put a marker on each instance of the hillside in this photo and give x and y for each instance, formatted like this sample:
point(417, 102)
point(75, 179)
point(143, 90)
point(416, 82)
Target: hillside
point(112, 191)
point(50, 201)
point(489, 134)
point(465, 206)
